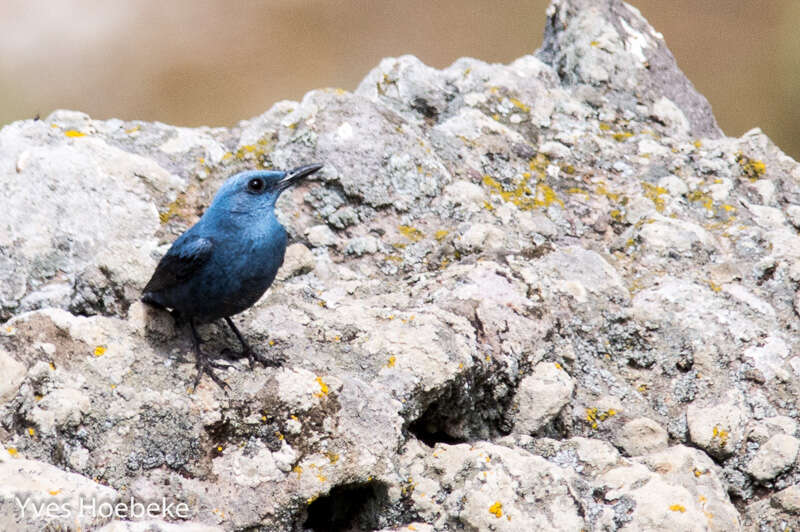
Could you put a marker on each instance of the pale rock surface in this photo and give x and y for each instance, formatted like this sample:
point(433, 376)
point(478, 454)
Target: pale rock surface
point(473, 229)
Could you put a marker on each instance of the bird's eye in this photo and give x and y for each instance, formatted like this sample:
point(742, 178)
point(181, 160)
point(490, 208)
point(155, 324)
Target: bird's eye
point(255, 185)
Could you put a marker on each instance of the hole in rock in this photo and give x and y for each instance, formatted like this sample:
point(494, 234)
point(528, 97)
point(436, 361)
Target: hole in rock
point(428, 429)
point(349, 507)
point(472, 407)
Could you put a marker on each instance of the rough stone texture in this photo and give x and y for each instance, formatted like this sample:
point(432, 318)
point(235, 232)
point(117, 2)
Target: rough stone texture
point(35, 495)
point(541, 396)
point(788, 499)
point(298, 260)
point(157, 526)
point(777, 454)
point(472, 228)
point(642, 436)
point(717, 428)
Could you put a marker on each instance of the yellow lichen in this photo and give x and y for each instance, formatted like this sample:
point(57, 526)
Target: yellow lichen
point(323, 388)
point(496, 509)
point(12, 451)
point(72, 133)
point(392, 361)
point(558, 366)
point(594, 414)
point(576, 190)
point(720, 434)
point(99, 351)
point(332, 457)
point(173, 209)
point(520, 105)
point(714, 286)
point(411, 233)
point(440, 234)
point(654, 193)
point(677, 508)
point(522, 195)
point(31, 431)
point(701, 196)
point(697, 144)
point(601, 189)
point(619, 137)
point(752, 168)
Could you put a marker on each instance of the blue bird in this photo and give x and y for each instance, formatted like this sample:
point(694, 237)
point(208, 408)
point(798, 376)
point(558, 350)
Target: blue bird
point(225, 262)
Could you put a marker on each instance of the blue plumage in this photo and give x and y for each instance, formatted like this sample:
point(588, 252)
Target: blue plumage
point(225, 262)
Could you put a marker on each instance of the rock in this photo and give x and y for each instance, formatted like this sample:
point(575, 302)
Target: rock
point(716, 428)
point(541, 396)
point(321, 236)
point(482, 480)
point(362, 245)
point(160, 526)
point(13, 373)
point(34, 492)
point(775, 456)
point(781, 424)
point(642, 436)
point(466, 194)
point(298, 260)
point(788, 499)
point(515, 270)
point(479, 237)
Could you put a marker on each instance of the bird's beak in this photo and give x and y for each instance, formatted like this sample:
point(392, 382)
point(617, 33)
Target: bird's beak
point(296, 175)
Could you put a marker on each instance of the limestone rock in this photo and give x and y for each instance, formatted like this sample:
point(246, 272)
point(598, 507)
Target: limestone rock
point(34, 493)
point(777, 454)
point(514, 271)
point(642, 436)
point(541, 395)
point(298, 260)
point(789, 499)
point(716, 428)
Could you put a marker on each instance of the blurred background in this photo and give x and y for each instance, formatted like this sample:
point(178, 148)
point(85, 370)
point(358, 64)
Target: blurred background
point(204, 62)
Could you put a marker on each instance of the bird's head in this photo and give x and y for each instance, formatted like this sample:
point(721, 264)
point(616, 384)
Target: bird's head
point(254, 192)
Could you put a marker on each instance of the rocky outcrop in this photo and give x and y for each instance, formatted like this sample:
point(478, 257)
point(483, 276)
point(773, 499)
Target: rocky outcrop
point(543, 295)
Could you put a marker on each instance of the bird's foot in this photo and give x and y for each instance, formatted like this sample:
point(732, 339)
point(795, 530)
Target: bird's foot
point(275, 361)
point(204, 365)
point(254, 356)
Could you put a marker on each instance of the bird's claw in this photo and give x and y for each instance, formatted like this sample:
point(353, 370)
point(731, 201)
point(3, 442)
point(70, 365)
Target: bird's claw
point(204, 365)
point(274, 361)
point(254, 356)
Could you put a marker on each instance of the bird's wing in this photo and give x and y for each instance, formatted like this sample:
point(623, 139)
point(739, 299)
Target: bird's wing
point(181, 261)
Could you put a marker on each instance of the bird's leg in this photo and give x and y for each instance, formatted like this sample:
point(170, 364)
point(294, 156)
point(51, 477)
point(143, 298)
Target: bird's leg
point(247, 351)
point(204, 365)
